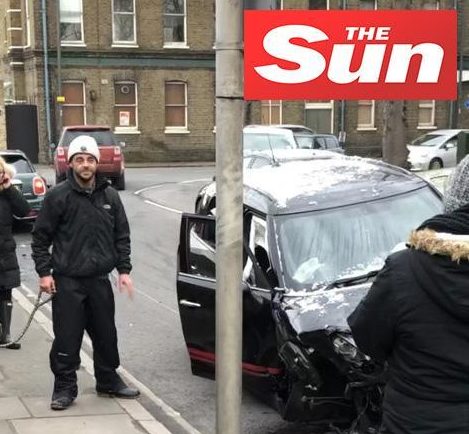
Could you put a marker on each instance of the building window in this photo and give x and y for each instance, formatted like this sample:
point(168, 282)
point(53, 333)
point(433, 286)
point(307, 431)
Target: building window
point(430, 5)
point(175, 98)
point(263, 4)
point(426, 113)
point(174, 22)
point(318, 4)
point(368, 4)
point(123, 22)
point(71, 22)
point(366, 114)
point(73, 109)
point(271, 112)
point(125, 105)
point(319, 116)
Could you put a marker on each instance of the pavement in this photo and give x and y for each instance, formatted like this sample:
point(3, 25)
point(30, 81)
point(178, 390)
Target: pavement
point(26, 386)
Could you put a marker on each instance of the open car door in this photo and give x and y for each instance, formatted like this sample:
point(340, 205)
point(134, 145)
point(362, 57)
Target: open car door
point(196, 289)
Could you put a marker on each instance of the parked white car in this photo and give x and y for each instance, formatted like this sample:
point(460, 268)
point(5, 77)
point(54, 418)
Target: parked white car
point(267, 138)
point(434, 150)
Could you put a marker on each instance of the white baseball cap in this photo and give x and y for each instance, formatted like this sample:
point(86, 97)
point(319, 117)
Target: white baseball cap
point(83, 145)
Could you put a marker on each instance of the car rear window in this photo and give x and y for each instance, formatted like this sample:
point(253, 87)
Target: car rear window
point(20, 163)
point(102, 137)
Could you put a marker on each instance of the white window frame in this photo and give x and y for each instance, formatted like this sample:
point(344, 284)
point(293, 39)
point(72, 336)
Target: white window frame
point(131, 129)
point(322, 105)
point(182, 44)
point(371, 126)
point(85, 122)
point(116, 42)
point(74, 43)
point(268, 103)
point(27, 22)
point(179, 129)
point(426, 105)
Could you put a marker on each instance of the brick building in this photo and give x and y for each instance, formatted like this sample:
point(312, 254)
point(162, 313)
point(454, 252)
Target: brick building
point(146, 67)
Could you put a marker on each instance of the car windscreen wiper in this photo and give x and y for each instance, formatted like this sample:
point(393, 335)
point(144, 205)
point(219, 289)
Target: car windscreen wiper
point(351, 280)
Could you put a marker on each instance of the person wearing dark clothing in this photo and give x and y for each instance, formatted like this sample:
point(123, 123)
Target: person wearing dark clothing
point(84, 221)
point(416, 317)
point(12, 203)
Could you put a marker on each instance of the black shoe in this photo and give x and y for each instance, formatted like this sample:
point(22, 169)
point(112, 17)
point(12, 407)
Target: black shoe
point(61, 402)
point(12, 345)
point(120, 391)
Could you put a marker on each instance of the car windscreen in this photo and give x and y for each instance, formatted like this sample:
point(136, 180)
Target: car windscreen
point(320, 247)
point(20, 163)
point(429, 140)
point(102, 137)
point(255, 142)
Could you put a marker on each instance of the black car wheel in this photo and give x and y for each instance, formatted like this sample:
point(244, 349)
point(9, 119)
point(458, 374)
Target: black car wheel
point(59, 178)
point(435, 164)
point(120, 182)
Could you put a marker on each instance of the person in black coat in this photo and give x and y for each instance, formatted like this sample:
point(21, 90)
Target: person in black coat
point(416, 317)
point(12, 203)
point(84, 221)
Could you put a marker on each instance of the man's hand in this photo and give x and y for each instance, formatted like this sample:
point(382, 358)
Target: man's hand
point(47, 284)
point(126, 285)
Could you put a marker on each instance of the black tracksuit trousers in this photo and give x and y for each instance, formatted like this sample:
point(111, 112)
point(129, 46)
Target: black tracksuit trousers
point(83, 304)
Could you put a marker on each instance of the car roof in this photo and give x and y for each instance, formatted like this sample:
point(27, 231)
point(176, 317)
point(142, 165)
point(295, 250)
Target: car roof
point(263, 129)
point(12, 152)
point(87, 127)
point(324, 183)
point(284, 155)
point(446, 132)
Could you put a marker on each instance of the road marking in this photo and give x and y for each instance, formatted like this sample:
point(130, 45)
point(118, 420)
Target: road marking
point(166, 208)
point(153, 187)
point(87, 362)
point(114, 283)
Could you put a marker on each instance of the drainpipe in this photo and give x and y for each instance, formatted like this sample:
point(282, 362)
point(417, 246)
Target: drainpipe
point(46, 76)
point(460, 12)
point(342, 102)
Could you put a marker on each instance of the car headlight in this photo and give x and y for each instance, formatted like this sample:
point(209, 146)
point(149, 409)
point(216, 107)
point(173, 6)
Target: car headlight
point(346, 347)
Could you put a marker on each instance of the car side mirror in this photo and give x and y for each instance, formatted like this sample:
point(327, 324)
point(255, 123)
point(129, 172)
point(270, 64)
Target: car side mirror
point(449, 146)
point(122, 144)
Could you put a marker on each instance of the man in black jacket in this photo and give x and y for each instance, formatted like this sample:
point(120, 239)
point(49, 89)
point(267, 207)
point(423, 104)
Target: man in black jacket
point(84, 221)
point(416, 317)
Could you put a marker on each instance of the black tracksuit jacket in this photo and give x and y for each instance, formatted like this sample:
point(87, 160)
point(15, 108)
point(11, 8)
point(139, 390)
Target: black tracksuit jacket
point(89, 232)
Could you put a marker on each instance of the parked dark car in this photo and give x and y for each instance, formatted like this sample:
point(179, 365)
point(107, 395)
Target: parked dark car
point(111, 163)
point(32, 185)
point(327, 142)
point(315, 235)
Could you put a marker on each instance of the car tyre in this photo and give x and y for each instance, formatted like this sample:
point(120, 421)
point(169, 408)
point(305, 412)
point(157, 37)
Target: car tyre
point(59, 178)
point(120, 182)
point(435, 164)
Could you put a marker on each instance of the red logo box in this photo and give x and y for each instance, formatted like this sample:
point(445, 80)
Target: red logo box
point(386, 54)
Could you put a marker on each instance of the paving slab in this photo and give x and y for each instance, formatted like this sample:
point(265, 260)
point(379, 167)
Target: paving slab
point(115, 424)
point(84, 405)
point(5, 427)
point(12, 408)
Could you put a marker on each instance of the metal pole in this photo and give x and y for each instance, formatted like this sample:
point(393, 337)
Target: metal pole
point(59, 72)
point(45, 44)
point(229, 150)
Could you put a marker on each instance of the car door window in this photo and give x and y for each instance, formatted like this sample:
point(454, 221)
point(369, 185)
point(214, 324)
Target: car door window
point(258, 244)
point(319, 143)
point(201, 249)
point(331, 143)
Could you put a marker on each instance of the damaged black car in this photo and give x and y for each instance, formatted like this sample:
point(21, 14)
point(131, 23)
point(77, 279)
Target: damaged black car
point(315, 235)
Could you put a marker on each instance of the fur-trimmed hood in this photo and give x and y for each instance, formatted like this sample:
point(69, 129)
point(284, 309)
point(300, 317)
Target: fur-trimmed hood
point(438, 243)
